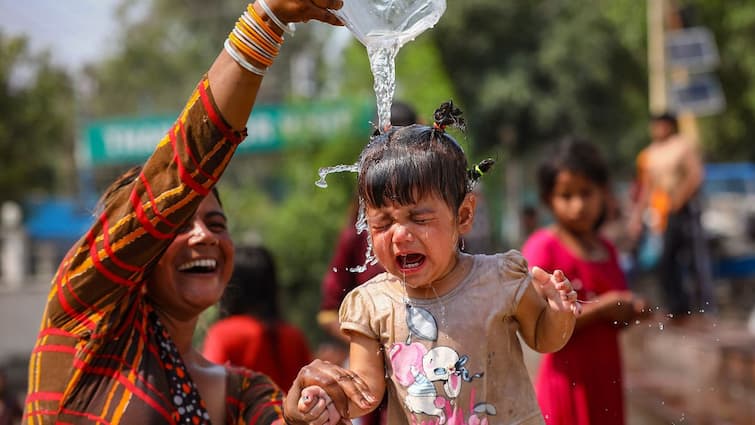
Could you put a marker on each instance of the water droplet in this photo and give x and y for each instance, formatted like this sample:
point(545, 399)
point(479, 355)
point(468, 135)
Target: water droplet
point(660, 326)
point(636, 322)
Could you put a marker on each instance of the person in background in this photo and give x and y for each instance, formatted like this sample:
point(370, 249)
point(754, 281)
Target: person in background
point(581, 384)
point(115, 341)
point(251, 331)
point(670, 173)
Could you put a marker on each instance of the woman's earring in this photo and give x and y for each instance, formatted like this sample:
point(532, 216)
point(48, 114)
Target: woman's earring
point(462, 245)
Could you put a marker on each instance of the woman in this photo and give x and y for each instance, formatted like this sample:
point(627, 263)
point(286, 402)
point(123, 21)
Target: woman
point(115, 340)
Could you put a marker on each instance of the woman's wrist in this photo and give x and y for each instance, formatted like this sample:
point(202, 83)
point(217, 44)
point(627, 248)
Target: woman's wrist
point(254, 41)
point(265, 11)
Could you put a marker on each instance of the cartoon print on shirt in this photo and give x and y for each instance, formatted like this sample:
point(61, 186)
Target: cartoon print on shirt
point(417, 369)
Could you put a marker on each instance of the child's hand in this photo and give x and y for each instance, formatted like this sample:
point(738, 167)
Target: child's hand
point(315, 403)
point(557, 289)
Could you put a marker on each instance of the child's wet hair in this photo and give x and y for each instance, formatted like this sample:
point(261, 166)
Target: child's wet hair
point(574, 155)
point(405, 163)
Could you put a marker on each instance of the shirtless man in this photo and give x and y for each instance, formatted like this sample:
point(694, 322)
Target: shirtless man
point(670, 173)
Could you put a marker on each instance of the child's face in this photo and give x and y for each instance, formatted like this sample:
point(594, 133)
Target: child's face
point(576, 202)
point(418, 242)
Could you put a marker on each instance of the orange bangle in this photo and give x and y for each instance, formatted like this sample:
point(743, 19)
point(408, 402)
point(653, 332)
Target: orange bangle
point(249, 52)
point(260, 41)
point(264, 24)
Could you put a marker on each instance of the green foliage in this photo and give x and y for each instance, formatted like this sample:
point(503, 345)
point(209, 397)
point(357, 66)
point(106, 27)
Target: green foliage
point(37, 128)
point(532, 72)
point(727, 136)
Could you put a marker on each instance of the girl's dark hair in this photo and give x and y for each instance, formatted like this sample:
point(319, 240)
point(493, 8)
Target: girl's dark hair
point(253, 288)
point(575, 155)
point(405, 163)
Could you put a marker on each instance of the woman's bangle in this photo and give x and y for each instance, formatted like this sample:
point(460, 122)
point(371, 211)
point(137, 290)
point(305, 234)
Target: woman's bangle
point(288, 29)
point(241, 60)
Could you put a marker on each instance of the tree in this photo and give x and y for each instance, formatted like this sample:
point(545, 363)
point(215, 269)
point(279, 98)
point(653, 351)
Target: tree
point(37, 129)
point(727, 136)
point(530, 72)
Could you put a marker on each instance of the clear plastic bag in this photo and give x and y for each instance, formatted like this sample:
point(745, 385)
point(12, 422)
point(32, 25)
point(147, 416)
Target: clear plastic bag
point(395, 22)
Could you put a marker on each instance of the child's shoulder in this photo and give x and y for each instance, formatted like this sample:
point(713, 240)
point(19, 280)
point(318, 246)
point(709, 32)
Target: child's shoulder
point(510, 264)
point(380, 284)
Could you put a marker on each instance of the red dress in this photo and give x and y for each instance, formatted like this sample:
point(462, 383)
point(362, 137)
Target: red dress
point(242, 340)
point(582, 383)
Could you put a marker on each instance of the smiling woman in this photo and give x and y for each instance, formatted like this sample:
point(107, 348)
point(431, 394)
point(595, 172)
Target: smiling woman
point(115, 344)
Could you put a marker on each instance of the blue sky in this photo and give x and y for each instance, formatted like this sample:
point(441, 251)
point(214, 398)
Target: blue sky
point(73, 30)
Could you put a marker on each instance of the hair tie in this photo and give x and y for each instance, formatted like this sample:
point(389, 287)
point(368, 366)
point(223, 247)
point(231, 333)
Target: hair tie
point(478, 170)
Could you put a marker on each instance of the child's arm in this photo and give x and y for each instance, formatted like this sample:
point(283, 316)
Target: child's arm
point(366, 360)
point(547, 320)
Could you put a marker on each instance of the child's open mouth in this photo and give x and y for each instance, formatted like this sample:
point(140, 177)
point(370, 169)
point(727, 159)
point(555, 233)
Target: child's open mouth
point(410, 261)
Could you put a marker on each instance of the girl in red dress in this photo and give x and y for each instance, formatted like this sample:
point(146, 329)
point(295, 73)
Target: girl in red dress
point(582, 383)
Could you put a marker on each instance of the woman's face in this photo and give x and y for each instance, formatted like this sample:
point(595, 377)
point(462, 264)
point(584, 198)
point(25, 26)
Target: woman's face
point(196, 267)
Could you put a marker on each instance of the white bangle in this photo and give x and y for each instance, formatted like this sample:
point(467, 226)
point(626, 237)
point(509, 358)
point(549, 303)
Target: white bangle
point(240, 59)
point(288, 29)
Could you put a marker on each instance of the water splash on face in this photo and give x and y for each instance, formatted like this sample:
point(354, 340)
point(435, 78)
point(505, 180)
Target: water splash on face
point(361, 226)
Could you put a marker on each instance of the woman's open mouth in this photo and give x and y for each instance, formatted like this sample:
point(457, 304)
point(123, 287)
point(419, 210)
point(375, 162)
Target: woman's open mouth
point(204, 265)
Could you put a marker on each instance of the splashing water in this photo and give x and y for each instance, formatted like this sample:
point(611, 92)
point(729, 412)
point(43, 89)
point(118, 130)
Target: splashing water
point(361, 226)
point(324, 171)
point(382, 56)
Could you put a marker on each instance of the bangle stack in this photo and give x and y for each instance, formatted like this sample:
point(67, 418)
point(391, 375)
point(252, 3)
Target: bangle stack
point(252, 38)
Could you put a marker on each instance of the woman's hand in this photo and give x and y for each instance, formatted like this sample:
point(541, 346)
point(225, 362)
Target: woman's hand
point(305, 10)
point(340, 384)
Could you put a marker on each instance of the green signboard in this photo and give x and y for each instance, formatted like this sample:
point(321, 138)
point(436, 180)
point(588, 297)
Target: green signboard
point(271, 128)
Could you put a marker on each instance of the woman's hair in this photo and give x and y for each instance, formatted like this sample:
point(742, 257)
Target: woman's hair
point(405, 163)
point(253, 288)
point(577, 156)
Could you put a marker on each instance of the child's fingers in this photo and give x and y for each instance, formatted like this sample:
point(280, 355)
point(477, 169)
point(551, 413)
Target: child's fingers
point(305, 403)
point(539, 275)
point(334, 418)
point(559, 276)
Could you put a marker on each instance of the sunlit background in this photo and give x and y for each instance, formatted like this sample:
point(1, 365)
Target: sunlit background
point(88, 87)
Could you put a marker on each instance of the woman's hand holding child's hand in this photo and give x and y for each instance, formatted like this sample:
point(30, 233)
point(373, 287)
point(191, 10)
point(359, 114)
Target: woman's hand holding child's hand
point(557, 289)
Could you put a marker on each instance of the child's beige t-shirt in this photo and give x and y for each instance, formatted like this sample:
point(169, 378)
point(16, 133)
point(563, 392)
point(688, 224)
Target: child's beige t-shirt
point(454, 359)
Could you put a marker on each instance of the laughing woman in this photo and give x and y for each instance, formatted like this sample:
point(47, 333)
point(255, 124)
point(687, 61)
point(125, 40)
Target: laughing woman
point(115, 341)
